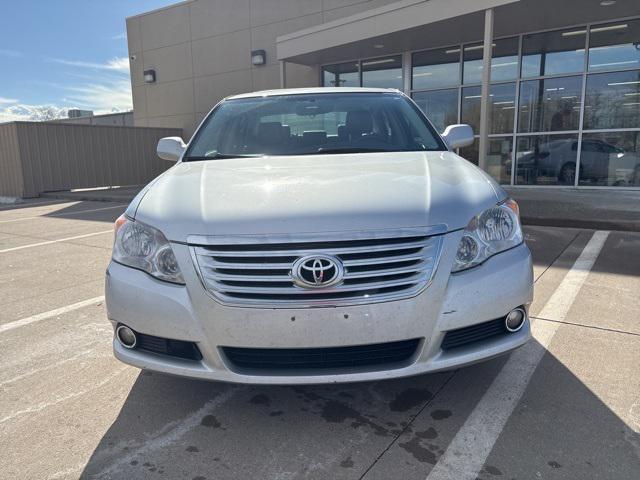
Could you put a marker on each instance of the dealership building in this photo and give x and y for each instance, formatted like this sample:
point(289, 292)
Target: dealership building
point(550, 87)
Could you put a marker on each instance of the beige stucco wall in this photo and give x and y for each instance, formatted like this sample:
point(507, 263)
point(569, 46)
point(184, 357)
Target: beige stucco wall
point(201, 52)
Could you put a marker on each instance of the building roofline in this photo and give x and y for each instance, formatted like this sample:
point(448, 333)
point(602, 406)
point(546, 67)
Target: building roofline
point(156, 10)
point(362, 26)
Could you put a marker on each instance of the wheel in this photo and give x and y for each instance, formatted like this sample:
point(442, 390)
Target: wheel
point(567, 175)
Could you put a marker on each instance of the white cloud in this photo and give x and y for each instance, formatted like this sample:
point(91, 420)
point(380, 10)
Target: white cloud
point(107, 97)
point(117, 64)
point(10, 53)
point(111, 95)
point(31, 112)
point(106, 92)
point(120, 36)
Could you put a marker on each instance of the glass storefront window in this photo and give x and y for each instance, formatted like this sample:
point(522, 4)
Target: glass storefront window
point(504, 61)
point(553, 53)
point(341, 75)
point(612, 100)
point(614, 46)
point(471, 153)
point(445, 83)
point(546, 159)
point(382, 72)
point(501, 103)
point(440, 106)
point(610, 159)
point(499, 157)
point(435, 68)
point(552, 104)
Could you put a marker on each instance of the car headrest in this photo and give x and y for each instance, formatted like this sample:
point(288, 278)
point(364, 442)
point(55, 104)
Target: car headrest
point(314, 137)
point(359, 122)
point(270, 131)
point(342, 132)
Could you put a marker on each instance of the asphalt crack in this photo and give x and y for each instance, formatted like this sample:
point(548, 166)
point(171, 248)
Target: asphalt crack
point(408, 425)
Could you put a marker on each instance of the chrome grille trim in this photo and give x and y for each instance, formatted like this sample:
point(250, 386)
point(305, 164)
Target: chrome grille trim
point(255, 271)
point(307, 251)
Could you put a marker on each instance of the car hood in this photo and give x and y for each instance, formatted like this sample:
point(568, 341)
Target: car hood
point(321, 193)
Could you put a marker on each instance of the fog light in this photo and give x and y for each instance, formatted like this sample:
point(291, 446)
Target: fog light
point(515, 320)
point(126, 336)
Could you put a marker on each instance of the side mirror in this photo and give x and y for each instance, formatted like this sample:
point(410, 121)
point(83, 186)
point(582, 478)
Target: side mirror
point(171, 148)
point(458, 136)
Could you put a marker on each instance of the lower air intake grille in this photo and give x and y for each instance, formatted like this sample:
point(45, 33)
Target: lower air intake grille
point(474, 333)
point(322, 358)
point(165, 346)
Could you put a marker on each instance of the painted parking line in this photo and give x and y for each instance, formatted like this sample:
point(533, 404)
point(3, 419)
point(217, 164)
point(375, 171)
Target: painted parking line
point(23, 205)
point(49, 242)
point(469, 449)
point(50, 314)
point(169, 434)
point(79, 212)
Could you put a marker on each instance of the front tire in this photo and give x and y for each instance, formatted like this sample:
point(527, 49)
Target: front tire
point(567, 175)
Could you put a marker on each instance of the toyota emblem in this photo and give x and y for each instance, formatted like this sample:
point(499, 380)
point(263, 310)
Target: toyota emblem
point(317, 271)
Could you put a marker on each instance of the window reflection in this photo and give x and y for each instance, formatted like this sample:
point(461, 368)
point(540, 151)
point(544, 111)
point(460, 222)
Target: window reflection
point(553, 53)
point(610, 159)
point(612, 100)
point(549, 108)
point(436, 68)
point(499, 157)
point(504, 61)
point(614, 46)
point(501, 104)
point(382, 72)
point(341, 75)
point(441, 106)
point(546, 160)
point(472, 152)
point(552, 104)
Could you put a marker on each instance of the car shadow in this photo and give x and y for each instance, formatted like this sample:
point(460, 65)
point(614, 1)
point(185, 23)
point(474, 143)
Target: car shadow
point(179, 428)
point(89, 211)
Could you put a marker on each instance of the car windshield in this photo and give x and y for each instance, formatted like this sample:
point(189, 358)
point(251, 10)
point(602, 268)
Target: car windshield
point(305, 124)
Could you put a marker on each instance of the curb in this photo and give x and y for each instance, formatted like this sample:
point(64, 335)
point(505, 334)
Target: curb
point(621, 225)
point(87, 198)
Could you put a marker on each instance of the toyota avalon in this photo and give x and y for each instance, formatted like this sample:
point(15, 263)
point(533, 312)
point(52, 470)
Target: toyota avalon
point(318, 235)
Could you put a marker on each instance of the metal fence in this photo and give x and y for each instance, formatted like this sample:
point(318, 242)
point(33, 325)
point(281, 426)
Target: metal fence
point(38, 157)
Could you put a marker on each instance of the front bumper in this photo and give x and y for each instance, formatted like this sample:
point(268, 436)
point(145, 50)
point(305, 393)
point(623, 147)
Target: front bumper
point(484, 293)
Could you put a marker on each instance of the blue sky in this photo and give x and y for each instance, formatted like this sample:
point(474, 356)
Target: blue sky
point(58, 54)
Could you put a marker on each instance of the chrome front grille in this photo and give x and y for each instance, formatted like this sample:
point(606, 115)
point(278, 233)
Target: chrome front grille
point(256, 271)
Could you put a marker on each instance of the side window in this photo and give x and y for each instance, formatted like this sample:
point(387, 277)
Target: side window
point(589, 147)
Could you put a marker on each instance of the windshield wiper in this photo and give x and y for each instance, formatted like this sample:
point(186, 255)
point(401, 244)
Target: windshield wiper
point(348, 150)
point(221, 156)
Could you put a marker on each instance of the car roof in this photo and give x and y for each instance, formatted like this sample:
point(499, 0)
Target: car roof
point(316, 90)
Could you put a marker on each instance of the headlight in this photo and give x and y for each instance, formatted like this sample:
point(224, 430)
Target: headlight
point(493, 231)
point(143, 247)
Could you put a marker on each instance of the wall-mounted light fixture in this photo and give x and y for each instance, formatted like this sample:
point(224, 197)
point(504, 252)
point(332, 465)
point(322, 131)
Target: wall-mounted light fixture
point(149, 76)
point(258, 57)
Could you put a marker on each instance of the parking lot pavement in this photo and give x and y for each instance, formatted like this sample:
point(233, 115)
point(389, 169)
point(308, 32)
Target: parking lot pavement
point(565, 406)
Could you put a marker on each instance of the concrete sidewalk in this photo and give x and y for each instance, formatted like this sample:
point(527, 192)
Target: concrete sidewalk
point(545, 206)
point(579, 208)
